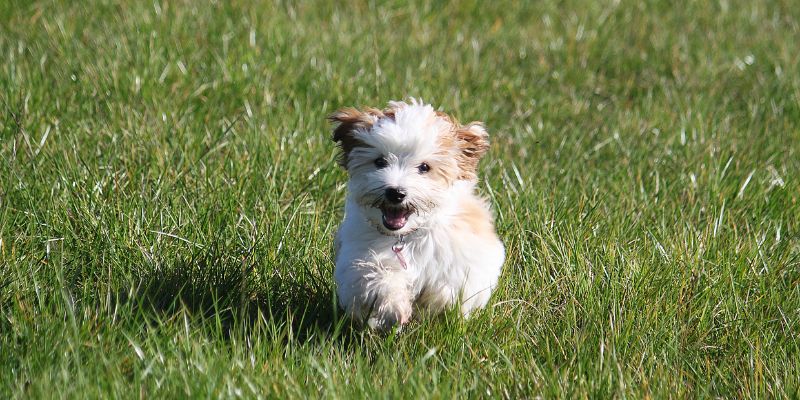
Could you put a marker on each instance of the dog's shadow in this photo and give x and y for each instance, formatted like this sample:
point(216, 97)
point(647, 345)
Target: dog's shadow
point(241, 296)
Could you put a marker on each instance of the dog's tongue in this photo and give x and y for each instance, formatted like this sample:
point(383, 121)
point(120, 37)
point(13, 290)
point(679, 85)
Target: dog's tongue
point(394, 219)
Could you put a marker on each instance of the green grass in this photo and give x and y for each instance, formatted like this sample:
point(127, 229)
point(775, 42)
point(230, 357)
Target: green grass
point(169, 193)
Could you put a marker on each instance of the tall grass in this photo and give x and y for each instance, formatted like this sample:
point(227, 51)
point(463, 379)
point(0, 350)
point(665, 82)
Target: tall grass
point(169, 193)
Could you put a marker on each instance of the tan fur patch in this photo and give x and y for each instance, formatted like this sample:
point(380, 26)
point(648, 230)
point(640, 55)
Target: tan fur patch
point(474, 143)
point(349, 120)
point(444, 168)
point(475, 217)
point(470, 142)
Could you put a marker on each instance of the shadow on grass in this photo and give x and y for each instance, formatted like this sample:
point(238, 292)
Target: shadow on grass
point(238, 295)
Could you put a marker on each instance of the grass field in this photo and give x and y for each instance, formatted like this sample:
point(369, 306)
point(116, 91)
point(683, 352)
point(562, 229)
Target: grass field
point(169, 194)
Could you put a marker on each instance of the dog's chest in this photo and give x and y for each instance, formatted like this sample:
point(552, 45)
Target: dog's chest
point(433, 261)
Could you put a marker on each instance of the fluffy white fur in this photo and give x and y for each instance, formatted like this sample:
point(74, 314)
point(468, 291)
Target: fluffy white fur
point(451, 253)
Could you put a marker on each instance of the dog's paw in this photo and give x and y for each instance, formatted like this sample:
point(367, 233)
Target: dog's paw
point(390, 315)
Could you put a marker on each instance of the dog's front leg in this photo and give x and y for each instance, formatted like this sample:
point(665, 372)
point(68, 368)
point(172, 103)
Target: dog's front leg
point(375, 293)
point(391, 302)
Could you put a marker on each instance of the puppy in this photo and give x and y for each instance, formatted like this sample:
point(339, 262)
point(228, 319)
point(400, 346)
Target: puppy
point(415, 236)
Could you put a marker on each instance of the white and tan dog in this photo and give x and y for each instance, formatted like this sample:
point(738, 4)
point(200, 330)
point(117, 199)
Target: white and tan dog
point(415, 235)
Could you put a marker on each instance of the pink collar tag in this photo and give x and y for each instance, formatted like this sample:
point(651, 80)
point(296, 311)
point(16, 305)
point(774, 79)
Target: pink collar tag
point(397, 248)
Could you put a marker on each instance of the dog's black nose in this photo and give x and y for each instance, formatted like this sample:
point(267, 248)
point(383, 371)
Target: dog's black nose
point(395, 195)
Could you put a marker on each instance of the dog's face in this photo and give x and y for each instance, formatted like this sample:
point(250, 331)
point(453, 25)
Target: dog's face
point(403, 160)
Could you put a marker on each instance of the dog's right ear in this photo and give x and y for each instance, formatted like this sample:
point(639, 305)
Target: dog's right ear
point(348, 121)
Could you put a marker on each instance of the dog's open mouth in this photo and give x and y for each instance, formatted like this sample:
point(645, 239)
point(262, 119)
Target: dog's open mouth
point(395, 218)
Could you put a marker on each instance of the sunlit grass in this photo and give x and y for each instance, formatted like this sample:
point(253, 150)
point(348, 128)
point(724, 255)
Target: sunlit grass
point(169, 194)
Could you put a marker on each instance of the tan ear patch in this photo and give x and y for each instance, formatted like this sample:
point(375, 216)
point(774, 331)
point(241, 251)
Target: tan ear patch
point(473, 141)
point(348, 121)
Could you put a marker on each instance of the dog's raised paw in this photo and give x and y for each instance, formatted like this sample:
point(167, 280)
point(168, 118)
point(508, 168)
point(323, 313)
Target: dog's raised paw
point(389, 316)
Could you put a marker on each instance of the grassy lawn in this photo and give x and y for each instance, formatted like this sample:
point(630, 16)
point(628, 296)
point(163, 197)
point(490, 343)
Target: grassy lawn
point(169, 195)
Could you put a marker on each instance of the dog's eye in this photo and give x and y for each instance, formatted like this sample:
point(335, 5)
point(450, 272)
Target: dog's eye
point(423, 168)
point(381, 162)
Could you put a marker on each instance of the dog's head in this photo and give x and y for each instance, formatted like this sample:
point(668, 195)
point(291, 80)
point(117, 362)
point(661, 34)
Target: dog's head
point(403, 160)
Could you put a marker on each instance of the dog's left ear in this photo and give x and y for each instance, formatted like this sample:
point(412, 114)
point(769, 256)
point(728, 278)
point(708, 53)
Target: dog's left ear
point(473, 141)
point(348, 121)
